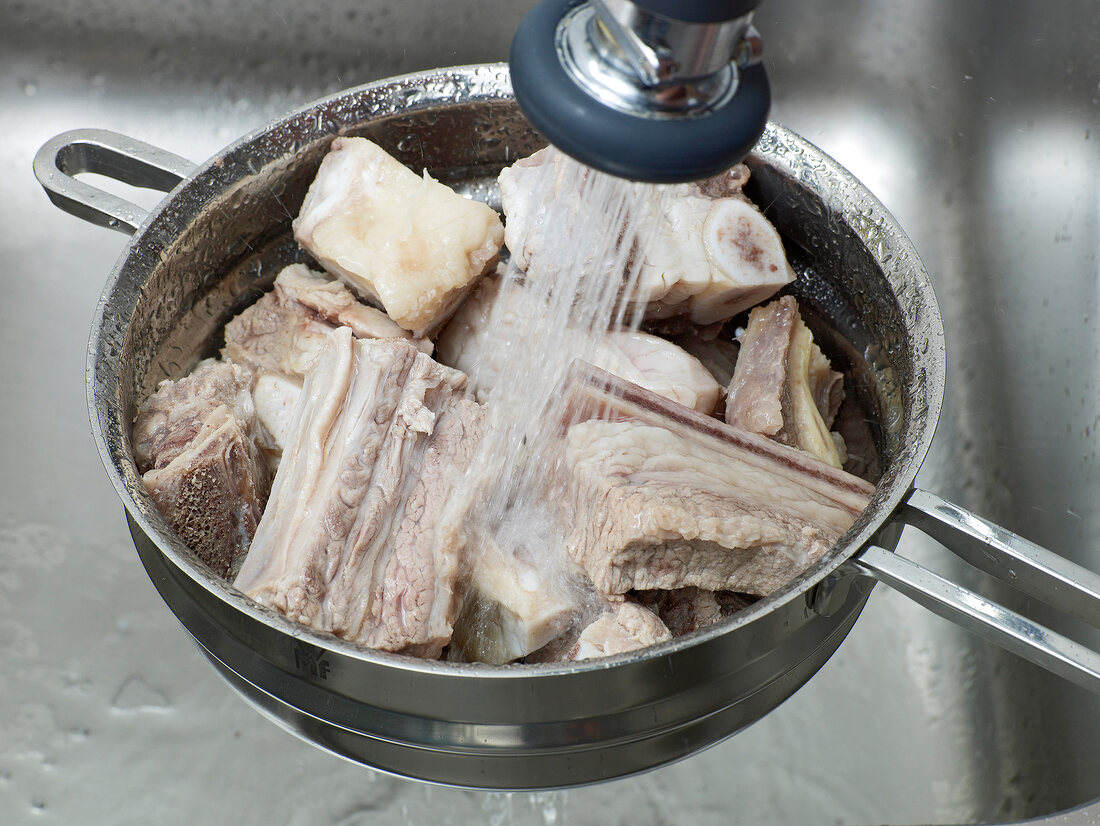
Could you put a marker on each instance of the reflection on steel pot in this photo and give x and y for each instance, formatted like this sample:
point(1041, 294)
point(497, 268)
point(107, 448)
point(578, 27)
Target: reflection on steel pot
point(217, 241)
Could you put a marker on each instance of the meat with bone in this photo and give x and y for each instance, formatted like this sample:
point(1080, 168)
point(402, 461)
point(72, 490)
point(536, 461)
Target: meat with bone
point(472, 344)
point(195, 444)
point(334, 302)
point(663, 497)
point(714, 255)
point(355, 540)
point(280, 336)
point(783, 386)
point(407, 242)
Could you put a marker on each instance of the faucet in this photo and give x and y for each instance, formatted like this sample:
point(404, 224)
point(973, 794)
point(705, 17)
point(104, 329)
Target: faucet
point(660, 91)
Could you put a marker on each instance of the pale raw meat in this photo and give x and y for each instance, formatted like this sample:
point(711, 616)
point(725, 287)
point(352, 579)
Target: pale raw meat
point(510, 609)
point(275, 397)
point(280, 336)
point(276, 335)
point(626, 627)
point(660, 366)
point(666, 498)
point(354, 540)
point(469, 342)
point(714, 254)
point(715, 352)
point(195, 444)
point(407, 242)
point(484, 352)
point(783, 386)
point(334, 302)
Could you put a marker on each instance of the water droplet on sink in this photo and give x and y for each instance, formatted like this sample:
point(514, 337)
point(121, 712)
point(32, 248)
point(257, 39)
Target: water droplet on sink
point(137, 695)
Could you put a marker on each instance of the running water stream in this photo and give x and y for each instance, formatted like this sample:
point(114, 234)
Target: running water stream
point(583, 282)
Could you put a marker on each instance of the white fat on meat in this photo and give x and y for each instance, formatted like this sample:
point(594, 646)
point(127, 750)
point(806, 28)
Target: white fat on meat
point(714, 254)
point(783, 385)
point(275, 397)
point(509, 608)
point(472, 344)
point(660, 366)
point(405, 241)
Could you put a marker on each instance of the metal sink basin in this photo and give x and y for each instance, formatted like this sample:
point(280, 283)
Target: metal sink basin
point(977, 124)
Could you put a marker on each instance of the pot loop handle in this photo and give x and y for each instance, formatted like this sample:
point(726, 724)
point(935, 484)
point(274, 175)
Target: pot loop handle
point(105, 153)
point(1010, 558)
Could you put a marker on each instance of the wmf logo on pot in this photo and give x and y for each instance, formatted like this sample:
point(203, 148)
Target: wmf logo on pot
point(311, 658)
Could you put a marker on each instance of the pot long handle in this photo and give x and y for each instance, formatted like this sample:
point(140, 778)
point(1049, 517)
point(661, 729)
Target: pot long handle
point(1001, 553)
point(106, 153)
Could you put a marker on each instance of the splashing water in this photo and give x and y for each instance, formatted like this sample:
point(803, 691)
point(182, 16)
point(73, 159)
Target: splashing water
point(583, 281)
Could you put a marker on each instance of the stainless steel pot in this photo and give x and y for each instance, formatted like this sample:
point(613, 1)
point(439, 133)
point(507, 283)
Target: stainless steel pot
point(223, 232)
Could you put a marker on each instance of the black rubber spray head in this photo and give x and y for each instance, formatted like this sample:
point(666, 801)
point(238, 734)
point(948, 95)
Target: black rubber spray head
point(661, 91)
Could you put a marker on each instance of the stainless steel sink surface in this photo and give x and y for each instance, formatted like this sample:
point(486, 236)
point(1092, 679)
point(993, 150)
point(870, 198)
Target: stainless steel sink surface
point(976, 123)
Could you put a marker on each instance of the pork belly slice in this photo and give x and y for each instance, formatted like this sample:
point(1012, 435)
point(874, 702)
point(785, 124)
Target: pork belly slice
point(712, 255)
point(407, 242)
point(663, 497)
point(195, 444)
point(479, 340)
point(509, 608)
point(684, 610)
point(783, 385)
point(355, 540)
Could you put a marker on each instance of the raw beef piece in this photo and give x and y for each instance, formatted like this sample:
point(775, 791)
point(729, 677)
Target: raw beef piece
point(715, 352)
point(625, 627)
point(688, 609)
point(713, 254)
point(509, 609)
point(472, 343)
point(612, 626)
point(783, 386)
point(664, 497)
point(408, 242)
point(661, 366)
point(276, 335)
point(194, 441)
point(280, 336)
point(355, 540)
point(335, 303)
